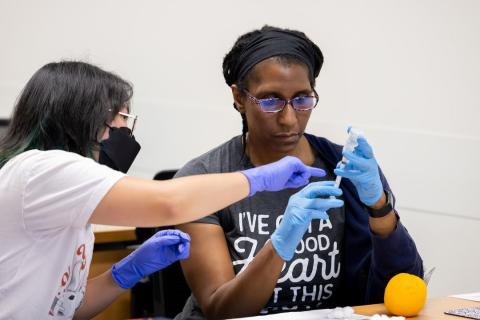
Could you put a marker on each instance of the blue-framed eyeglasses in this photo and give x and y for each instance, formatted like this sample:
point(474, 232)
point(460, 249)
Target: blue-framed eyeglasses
point(299, 103)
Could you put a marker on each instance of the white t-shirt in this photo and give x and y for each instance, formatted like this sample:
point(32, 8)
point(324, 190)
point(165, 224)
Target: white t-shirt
point(46, 243)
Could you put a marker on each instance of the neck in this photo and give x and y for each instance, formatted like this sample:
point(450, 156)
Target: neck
point(260, 155)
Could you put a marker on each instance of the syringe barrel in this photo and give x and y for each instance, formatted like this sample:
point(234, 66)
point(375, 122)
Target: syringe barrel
point(338, 179)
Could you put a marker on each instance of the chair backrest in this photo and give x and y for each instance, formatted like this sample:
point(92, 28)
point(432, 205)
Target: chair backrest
point(3, 126)
point(170, 290)
point(165, 174)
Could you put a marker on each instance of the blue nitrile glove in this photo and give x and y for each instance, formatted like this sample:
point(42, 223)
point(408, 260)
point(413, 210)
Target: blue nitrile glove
point(162, 249)
point(302, 207)
point(362, 170)
point(288, 172)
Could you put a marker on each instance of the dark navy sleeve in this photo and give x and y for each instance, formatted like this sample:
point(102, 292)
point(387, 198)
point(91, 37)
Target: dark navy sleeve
point(370, 261)
point(391, 255)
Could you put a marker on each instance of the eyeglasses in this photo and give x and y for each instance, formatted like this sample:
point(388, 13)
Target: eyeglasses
point(299, 103)
point(131, 119)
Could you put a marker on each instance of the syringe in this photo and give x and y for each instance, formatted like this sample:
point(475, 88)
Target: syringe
point(350, 145)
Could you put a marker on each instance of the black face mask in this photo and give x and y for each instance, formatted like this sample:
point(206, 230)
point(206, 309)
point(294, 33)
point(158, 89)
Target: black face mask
point(119, 150)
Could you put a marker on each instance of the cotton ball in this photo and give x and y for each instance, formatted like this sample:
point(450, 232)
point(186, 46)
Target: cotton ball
point(338, 313)
point(348, 312)
point(330, 316)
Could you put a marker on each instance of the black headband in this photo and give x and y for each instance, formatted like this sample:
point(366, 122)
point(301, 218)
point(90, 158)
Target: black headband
point(272, 43)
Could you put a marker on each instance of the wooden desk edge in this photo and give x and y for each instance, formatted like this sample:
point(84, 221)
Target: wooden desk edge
point(115, 236)
point(434, 308)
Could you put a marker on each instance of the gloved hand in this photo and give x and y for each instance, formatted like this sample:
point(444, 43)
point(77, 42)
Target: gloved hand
point(302, 207)
point(288, 172)
point(162, 249)
point(362, 170)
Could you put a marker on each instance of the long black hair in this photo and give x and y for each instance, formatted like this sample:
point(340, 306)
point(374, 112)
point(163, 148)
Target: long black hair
point(64, 106)
point(230, 63)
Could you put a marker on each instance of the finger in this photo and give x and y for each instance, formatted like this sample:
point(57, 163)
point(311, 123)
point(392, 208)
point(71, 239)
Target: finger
point(315, 190)
point(352, 157)
point(326, 183)
point(316, 172)
point(297, 182)
point(173, 232)
point(349, 166)
point(325, 204)
point(180, 247)
point(315, 186)
point(320, 215)
point(342, 163)
point(166, 232)
point(183, 250)
point(301, 168)
point(184, 236)
point(167, 240)
point(364, 148)
point(356, 161)
point(293, 162)
point(347, 173)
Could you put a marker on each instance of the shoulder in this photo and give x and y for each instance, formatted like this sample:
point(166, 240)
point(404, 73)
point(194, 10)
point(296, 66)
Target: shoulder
point(330, 152)
point(222, 158)
point(50, 160)
point(52, 157)
point(323, 142)
point(40, 165)
point(34, 160)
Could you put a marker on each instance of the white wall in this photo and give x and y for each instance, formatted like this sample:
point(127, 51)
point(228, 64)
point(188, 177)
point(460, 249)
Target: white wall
point(406, 71)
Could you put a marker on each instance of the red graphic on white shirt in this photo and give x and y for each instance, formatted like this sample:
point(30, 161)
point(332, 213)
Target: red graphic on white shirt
point(71, 289)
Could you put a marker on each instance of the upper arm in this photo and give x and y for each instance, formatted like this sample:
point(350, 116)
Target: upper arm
point(209, 265)
point(135, 202)
point(61, 189)
point(143, 203)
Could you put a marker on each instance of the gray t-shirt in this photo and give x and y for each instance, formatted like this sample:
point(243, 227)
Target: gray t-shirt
point(312, 278)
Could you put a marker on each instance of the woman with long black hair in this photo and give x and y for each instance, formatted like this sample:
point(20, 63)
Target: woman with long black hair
point(62, 167)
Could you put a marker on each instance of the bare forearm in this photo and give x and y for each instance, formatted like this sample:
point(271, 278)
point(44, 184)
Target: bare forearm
point(100, 293)
point(248, 292)
point(197, 196)
point(172, 202)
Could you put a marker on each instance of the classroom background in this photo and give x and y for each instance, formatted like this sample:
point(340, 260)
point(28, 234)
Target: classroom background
point(407, 72)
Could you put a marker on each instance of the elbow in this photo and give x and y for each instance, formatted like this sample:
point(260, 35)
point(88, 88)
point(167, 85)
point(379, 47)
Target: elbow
point(169, 209)
point(211, 312)
point(211, 307)
point(221, 307)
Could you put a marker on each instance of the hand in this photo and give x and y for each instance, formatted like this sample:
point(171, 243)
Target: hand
point(162, 249)
point(288, 172)
point(302, 208)
point(362, 170)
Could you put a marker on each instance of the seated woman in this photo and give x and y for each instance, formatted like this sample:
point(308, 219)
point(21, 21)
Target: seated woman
point(246, 259)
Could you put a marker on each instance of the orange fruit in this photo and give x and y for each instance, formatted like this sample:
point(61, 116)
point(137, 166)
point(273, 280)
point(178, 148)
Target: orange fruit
point(405, 295)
